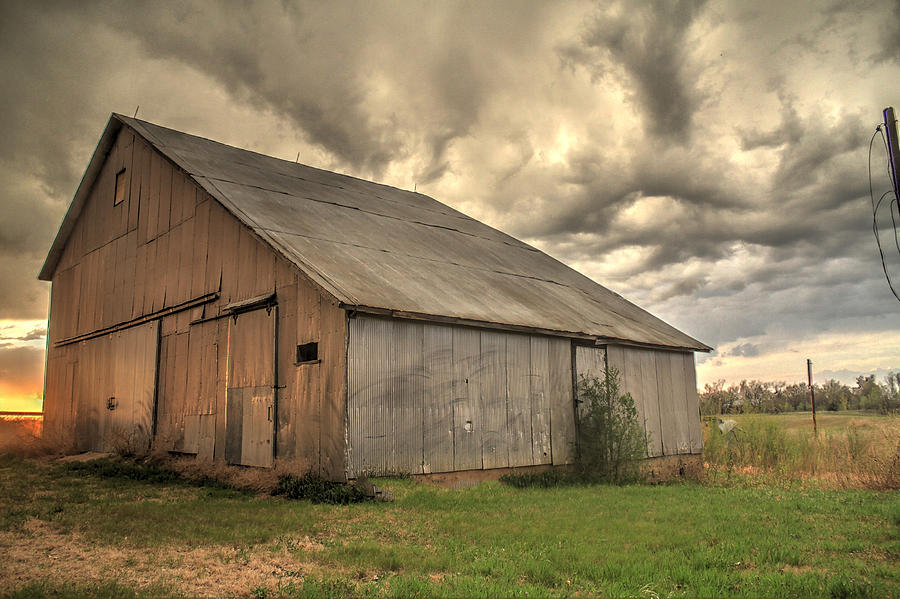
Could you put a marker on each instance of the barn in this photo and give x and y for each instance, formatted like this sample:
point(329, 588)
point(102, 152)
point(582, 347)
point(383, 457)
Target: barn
point(213, 301)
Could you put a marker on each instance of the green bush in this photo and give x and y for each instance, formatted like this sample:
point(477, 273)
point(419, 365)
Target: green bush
point(610, 445)
point(611, 441)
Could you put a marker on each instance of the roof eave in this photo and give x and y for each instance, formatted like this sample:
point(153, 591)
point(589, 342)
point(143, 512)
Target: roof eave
point(104, 145)
point(579, 335)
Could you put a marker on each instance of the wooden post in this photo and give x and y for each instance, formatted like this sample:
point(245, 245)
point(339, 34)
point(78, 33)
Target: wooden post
point(812, 395)
point(890, 127)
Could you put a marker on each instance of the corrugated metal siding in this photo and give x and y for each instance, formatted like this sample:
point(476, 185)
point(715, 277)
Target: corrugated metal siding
point(663, 385)
point(495, 452)
point(428, 398)
point(518, 375)
point(438, 409)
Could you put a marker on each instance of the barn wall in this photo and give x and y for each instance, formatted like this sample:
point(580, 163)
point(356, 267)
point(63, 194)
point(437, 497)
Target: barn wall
point(428, 398)
point(166, 246)
point(664, 387)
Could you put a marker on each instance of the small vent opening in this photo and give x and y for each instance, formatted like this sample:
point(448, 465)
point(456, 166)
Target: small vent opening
point(120, 188)
point(308, 352)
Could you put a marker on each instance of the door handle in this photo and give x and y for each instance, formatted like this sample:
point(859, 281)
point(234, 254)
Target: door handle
point(269, 413)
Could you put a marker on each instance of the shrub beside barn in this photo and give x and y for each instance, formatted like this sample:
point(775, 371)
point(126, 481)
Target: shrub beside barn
point(217, 302)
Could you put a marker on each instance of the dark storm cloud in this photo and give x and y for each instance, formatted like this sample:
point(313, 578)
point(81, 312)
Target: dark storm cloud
point(648, 40)
point(890, 36)
point(321, 66)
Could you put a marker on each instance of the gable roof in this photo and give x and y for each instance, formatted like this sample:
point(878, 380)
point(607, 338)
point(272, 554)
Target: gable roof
point(378, 248)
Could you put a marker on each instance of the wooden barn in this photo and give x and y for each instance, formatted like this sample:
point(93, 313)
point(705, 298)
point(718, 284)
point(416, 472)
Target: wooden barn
point(213, 301)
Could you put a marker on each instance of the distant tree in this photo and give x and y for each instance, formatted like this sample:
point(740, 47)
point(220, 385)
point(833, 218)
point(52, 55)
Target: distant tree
point(890, 392)
point(835, 396)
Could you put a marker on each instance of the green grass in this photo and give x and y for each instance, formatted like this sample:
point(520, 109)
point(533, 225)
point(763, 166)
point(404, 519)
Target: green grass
point(490, 540)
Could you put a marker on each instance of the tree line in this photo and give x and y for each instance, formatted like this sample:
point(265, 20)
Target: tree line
point(775, 397)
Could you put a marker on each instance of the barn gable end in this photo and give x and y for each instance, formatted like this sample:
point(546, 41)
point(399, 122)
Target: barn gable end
point(170, 258)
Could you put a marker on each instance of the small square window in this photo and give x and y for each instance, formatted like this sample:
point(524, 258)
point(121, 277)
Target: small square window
point(308, 352)
point(120, 188)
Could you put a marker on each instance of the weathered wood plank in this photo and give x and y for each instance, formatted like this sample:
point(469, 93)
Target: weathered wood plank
point(693, 403)
point(493, 400)
point(467, 425)
point(679, 407)
point(518, 372)
point(540, 402)
point(199, 253)
point(438, 402)
point(667, 408)
point(650, 393)
point(407, 396)
point(163, 222)
point(562, 402)
point(186, 262)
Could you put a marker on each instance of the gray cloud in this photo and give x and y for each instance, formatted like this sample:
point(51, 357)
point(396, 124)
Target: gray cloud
point(648, 41)
point(35, 334)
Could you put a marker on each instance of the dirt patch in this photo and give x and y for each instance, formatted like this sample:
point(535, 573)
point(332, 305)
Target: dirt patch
point(192, 571)
point(84, 457)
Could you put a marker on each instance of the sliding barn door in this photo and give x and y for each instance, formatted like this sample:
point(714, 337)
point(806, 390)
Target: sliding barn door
point(250, 388)
point(112, 379)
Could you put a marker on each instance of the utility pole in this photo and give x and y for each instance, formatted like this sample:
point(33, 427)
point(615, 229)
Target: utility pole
point(812, 395)
point(890, 128)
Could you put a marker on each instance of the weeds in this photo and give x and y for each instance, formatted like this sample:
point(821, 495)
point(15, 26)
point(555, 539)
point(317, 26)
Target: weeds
point(319, 490)
point(144, 471)
point(549, 478)
point(850, 457)
point(611, 441)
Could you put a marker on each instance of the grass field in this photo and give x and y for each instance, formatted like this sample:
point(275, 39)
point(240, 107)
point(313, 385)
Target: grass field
point(68, 534)
point(851, 450)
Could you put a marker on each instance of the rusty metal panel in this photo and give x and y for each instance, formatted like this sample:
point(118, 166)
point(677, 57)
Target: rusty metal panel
point(250, 388)
point(562, 401)
point(493, 399)
point(438, 400)
point(518, 374)
point(467, 424)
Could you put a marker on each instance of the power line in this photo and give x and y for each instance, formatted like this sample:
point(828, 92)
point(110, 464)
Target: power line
point(875, 207)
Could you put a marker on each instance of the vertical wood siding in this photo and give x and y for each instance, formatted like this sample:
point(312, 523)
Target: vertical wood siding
point(166, 244)
point(664, 387)
point(429, 398)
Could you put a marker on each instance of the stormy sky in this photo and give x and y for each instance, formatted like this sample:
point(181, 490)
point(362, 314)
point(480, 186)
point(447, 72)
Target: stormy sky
point(708, 161)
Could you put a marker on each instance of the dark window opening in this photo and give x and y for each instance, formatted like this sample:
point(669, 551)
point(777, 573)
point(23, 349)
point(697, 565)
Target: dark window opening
point(120, 188)
point(308, 352)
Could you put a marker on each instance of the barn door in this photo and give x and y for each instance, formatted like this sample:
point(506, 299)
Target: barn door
point(115, 381)
point(250, 388)
point(589, 362)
